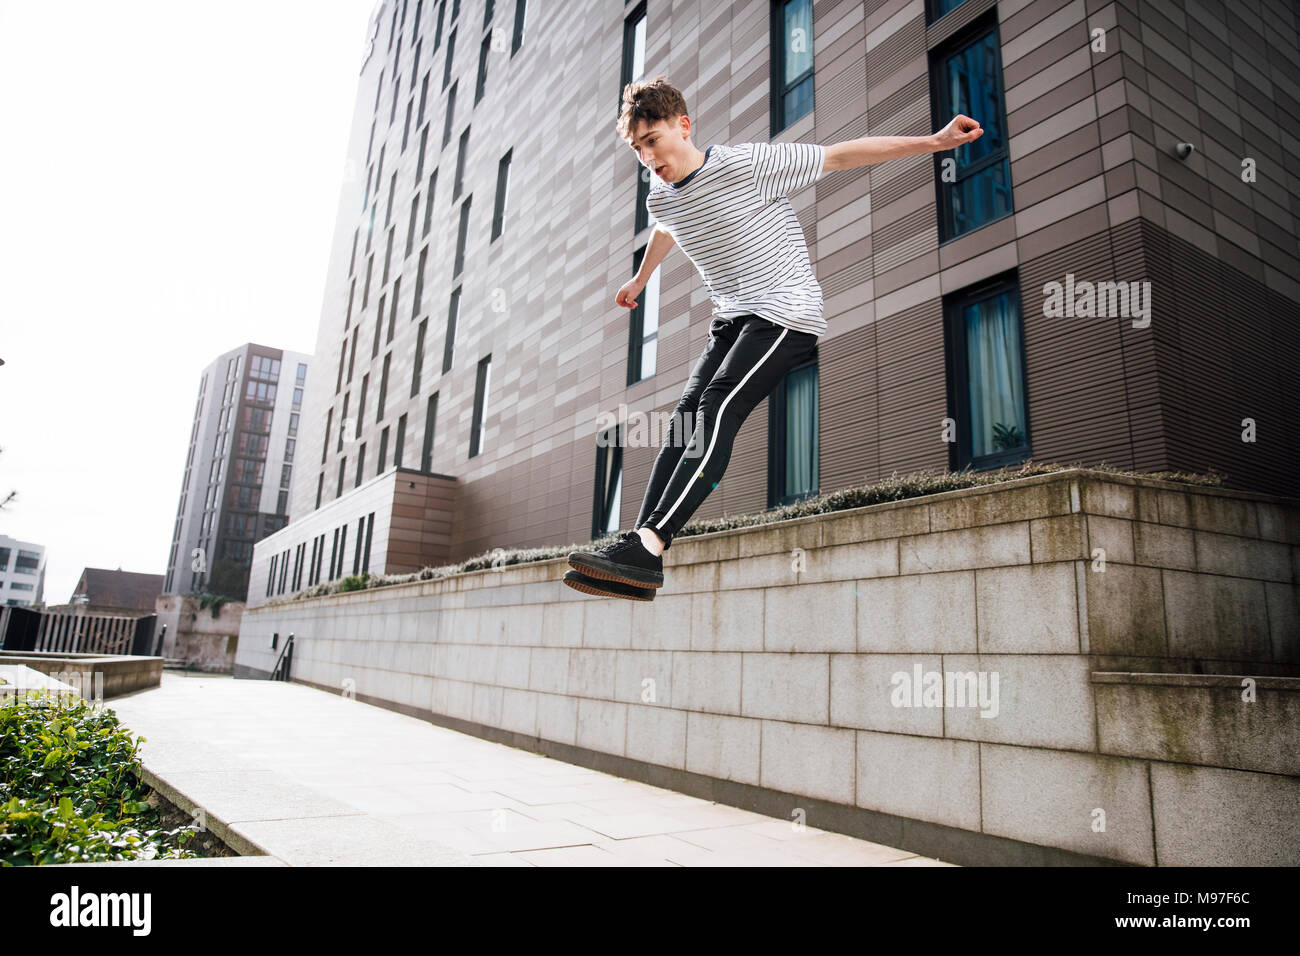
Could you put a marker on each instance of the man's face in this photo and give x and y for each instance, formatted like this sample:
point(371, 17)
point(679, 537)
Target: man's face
point(661, 147)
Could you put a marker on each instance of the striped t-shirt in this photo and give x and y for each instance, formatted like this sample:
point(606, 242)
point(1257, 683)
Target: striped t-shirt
point(732, 218)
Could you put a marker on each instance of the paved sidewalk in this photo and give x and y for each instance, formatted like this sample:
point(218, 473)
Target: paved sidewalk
point(313, 778)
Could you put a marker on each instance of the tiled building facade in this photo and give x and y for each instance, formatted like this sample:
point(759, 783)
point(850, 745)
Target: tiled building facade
point(1073, 286)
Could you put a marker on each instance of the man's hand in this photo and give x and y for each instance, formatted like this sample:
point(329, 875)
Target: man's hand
point(627, 295)
point(961, 130)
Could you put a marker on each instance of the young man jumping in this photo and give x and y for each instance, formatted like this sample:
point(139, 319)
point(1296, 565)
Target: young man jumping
point(727, 208)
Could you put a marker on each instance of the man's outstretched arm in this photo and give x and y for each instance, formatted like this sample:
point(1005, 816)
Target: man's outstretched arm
point(876, 149)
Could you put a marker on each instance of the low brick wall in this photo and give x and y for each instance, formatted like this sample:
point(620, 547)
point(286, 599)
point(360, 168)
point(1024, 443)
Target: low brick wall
point(1129, 651)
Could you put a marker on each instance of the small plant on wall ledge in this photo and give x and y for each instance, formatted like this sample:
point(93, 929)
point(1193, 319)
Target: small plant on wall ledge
point(212, 600)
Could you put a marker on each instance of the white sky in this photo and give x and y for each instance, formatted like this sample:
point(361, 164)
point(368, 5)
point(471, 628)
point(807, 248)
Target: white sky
point(171, 172)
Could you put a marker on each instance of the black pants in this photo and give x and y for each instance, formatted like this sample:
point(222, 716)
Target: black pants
point(745, 358)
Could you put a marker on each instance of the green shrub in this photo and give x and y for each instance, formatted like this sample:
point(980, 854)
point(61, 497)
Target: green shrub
point(356, 582)
point(213, 601)
point(70, 788)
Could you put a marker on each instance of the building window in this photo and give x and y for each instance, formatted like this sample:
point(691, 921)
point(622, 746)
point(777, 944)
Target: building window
point(642, 217)
point(461, 150)
point(437, 33)
point(430, 416)
point(503, 184)
point(483, 51)
point(419, 283)
point(973, 180)
point(428, 206)
point(361, 402)
point(987, 375)
point(343, 356)
point(383, 388)
point(792, 62)
point(383, 451)
point(329, 427)
point(410, 228)
point(792, 436)
point(609, 482)
point(320, 488)
point(424, 98)
point(643, 331)
point(634, 26)
point(478, 429)
point(419, 357)
point(282, 503)
point(343, 464)
point(406, 127)
point(451, 49)
point(419, 163)
point(451, 112)
point(361, 464)
point(365, 557)
point(399, 441)
point(388, 253)
point(461, 236)
point(392, 311)
point(449, 342)
point(487, 14)
point(521, 13)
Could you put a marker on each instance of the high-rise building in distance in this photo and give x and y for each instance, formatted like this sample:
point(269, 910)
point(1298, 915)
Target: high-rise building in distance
point(240, 461)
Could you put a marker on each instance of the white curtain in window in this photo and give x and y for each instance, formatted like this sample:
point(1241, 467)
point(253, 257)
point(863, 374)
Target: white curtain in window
point(993, 362)
point(801, 429)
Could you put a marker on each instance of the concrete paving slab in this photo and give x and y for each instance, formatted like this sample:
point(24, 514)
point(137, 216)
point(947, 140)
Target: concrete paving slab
point(311, 778)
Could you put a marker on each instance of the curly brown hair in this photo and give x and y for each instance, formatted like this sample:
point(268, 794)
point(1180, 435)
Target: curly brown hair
point(651, 101)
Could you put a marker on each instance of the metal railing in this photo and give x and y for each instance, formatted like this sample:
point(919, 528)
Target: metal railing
point(73, 631)
point(283, 662)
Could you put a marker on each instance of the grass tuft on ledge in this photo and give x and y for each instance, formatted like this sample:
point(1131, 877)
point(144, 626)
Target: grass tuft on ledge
point(894, 488)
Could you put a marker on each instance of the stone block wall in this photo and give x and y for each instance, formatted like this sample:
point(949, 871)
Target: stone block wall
point(1074, 667)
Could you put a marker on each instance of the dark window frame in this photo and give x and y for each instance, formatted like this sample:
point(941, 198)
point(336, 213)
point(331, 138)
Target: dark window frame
point(430, 432)
point(521, 14)
point(630, 21)
point(477, 423)
point(777, 86)
point(609, 459)
point(777, 439)
point(503, 188)
point(636, 329)
point(449, 340)
point(941, 112)
point(957, 373)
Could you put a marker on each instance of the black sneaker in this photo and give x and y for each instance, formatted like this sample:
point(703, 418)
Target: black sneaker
point(580, 582)
point(626, 561)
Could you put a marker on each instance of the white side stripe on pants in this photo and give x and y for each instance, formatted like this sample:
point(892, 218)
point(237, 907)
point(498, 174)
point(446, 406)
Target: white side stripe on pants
point(716, 422)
